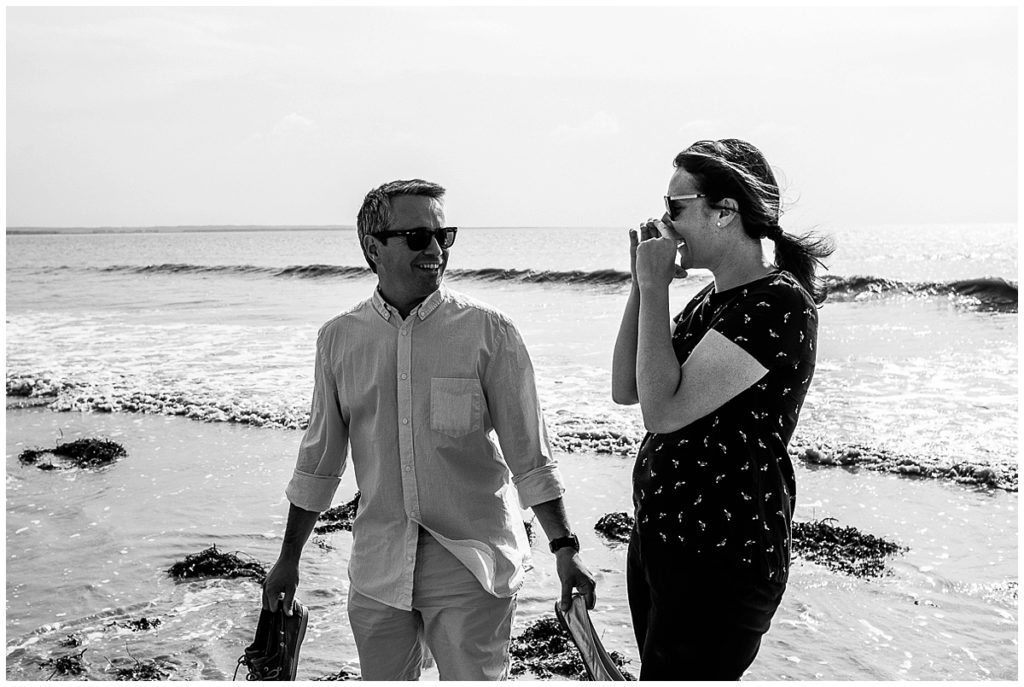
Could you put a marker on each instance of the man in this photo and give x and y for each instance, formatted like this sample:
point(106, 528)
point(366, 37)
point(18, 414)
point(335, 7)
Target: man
point(415, 379)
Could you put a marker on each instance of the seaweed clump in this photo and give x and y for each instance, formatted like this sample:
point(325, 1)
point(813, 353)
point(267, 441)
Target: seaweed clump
point(615, 526)
point(70, 641)
point(213, 563)
point(83, 453)
point(844, 549)
point(545, 649)
point(343, 674)
point(143, 623)
point(141, 670)
point(70, 664)
point(136, 625)
point(339, 517)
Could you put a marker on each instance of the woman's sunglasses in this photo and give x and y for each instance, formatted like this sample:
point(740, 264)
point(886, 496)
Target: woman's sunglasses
point(673, 211)
point(418, 239)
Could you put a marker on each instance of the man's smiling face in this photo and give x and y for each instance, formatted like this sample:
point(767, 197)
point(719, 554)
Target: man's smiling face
point(409, 275)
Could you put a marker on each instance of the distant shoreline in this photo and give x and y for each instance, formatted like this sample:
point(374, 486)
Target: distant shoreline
point(214, 228)
point(173, 229)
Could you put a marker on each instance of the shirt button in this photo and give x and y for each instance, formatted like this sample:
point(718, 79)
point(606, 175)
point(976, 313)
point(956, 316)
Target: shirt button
point(405, 376)
point(405, 332)
point(408, 468)
point(405, 420)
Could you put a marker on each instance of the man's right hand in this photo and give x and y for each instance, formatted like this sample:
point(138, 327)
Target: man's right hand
point(280, 585)
point(283, 578)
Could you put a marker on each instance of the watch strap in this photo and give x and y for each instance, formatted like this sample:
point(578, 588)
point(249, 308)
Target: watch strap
point(561, 542)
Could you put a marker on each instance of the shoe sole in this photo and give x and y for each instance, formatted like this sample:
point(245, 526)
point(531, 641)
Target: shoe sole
point(576, 622)
point(293, 663)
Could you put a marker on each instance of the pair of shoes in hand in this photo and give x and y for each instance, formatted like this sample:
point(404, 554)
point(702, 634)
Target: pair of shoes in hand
point(274, 653)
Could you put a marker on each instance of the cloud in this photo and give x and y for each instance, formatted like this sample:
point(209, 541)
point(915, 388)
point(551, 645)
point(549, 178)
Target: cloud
point(293, 125)
point(600, 125)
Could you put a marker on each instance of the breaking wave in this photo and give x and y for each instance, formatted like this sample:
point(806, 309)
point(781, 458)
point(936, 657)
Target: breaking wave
point(989, 293)
point(986, 293)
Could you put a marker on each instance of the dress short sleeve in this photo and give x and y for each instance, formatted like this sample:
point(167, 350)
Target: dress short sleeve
point(773, 323)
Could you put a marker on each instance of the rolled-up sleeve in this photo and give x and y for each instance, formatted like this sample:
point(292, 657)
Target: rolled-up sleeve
point(324, 449)
point(518, 420)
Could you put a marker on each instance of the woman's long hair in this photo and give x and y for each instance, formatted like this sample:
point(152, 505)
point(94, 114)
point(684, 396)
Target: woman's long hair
point(731, 168)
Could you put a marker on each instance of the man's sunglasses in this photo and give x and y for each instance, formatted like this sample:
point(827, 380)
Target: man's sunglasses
point(689, 196)
point(418, 239)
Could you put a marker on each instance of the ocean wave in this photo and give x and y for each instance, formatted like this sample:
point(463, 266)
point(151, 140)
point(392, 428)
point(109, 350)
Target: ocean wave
point(608, 276)
point(300, 271)
point(987, 293)
point(599, 277)
point(570, 434)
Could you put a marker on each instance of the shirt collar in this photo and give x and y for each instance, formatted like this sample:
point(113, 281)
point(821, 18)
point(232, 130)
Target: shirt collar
point(423, 310)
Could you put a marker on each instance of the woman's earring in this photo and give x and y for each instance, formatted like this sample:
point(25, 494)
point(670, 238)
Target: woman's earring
point(718, 224)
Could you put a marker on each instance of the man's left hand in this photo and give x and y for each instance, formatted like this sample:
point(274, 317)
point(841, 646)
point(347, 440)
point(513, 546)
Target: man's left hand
point(574, 575)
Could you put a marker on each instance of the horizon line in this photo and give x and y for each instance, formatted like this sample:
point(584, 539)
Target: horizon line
point(107, 228)
point(25, 229)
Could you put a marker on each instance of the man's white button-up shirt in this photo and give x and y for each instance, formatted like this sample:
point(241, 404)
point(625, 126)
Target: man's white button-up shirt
point(417, 400)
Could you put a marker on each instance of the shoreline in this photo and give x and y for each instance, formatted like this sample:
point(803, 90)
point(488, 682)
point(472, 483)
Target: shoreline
point(566, 435)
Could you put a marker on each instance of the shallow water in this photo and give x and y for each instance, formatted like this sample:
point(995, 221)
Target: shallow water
point(85, 548)
point(921, 375)
point(916, 373)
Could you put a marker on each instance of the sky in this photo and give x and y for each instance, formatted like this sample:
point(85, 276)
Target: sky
point(529, 116)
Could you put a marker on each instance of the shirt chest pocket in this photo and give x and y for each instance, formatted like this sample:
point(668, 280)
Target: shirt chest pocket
point(455, 405)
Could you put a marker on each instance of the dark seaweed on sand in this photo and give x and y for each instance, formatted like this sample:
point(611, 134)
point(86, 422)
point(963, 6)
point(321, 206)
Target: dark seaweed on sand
point(143, 624)
point(84, 453)
point(339, 517)
point(141, 670)
point(214, 563)
point(615, 526)
point(545, 649)
point(343, 674)
point(70, 641)
point(70, 664)
point(844, 549)
point(137, 625)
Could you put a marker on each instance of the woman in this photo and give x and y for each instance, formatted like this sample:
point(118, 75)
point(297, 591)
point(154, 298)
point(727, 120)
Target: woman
point(720, 391)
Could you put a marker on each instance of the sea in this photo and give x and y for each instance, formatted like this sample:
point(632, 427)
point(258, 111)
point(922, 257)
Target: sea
point(193, 347)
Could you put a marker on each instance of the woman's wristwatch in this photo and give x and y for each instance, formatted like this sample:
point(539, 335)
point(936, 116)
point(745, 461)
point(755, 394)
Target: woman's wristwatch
point(562, 542)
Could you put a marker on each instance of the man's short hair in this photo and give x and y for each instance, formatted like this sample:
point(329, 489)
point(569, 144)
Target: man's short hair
point(375, 213)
